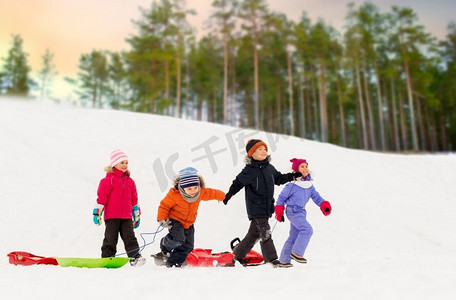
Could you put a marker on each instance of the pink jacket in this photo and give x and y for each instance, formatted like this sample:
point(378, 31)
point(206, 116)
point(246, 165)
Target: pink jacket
point(117, 193)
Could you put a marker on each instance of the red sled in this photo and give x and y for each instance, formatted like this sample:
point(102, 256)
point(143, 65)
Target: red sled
point(205, 258)
point(28, 259)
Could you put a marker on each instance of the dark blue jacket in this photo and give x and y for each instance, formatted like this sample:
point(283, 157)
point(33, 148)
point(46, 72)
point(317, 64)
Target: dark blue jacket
point(258, 178)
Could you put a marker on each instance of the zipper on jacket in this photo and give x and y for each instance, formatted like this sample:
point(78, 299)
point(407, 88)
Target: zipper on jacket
point(123, 192)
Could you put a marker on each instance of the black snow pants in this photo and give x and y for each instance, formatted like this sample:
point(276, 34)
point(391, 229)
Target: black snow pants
point(179, 242)
point(259, 230)
point(127, 234)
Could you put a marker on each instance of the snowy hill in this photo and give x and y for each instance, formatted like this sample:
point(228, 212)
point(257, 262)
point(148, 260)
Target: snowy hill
point(390, 236)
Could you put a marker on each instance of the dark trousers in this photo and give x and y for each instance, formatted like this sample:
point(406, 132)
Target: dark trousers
point(179, 242)
point(125, 228)
point(259, 230)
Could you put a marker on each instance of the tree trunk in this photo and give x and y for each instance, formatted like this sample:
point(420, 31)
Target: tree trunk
point(323, 108)
point(421, 124)
point(315, 103)
point(444, 136)
point(370, 111)
point(341, 112)
point(232, 98)
point(256, 79)
point(301, 111)
point(178, 67)
point(152, 87)
point(167, 95)
point(290, 93)
point(394, 117)
point(308, 106)
point(410, 101)
point(279, 123)
point(402, 122)
point(361, 105)
point(380, 108)
point(225, 78)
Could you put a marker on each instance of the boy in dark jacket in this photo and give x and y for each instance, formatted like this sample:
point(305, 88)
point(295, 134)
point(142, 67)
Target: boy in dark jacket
point(258, 177)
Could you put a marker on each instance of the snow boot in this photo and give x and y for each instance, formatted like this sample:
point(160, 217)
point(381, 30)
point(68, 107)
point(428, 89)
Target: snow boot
point(137, 261)
point(160, 258)
point(275, 263)
point(284, 265)
point(297, 258)
point(175, 265)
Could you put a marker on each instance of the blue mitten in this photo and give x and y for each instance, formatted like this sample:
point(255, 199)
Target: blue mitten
point(98, 214)
point(136, 216)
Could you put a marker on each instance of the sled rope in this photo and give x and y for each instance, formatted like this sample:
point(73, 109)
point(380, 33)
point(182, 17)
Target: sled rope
point(141, 248)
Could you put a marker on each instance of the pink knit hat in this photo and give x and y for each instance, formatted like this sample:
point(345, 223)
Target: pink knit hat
point(296, 162)
point(117, 156)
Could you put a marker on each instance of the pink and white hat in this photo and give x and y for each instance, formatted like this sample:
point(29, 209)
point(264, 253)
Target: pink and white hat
point(117, 156)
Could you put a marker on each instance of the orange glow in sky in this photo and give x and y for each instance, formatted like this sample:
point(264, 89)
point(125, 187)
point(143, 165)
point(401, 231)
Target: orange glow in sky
point(70, 28)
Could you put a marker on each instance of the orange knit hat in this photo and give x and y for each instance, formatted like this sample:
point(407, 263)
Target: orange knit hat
point(253, 145)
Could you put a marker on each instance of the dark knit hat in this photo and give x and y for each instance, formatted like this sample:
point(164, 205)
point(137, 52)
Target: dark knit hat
point(189, 177)
point(252, 145)
point(296, 162)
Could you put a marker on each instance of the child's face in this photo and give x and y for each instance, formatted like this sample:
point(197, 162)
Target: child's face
point(191, 190)
point(122, 166)
point(303, 169)
point(260, 153)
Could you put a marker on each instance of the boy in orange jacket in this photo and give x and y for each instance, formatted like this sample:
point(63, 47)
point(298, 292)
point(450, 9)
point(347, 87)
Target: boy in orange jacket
point(177, 212)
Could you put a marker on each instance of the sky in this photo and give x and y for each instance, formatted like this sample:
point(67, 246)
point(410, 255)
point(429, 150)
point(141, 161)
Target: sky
point(390, 234)
point(71, 28)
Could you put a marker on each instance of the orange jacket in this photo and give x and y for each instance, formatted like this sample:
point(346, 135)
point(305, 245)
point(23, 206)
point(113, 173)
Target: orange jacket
point(174, 206)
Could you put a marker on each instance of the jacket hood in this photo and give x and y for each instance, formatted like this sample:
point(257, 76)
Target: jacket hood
point(118, 173)
point(250, 161)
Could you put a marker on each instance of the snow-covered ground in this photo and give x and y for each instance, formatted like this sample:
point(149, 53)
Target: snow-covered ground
point(391, 234)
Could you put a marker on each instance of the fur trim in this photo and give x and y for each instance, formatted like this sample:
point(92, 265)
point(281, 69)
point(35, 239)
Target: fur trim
point(303, 184)
point(110, 169)
point(248, 160)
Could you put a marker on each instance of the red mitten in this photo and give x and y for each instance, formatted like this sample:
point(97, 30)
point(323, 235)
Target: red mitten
point(325, 207)
point(279, 209)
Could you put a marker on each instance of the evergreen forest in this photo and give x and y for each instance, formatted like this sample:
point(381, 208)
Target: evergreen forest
point(383, 84)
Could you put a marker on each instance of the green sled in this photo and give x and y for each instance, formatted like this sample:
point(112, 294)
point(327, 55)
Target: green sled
point(108, 262)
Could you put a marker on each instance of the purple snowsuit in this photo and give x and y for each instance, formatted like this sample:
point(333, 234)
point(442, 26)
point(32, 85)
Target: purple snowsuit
point(295, 196)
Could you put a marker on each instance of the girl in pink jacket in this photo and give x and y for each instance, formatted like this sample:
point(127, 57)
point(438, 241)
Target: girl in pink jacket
point(118, 201)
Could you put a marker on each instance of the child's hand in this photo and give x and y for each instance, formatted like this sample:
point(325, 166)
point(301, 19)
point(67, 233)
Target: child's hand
point(227, 198)
point(296, 175)
point(165, 223)
point(98, 214)
point(279, 209)
point(136, 216)
point(325, 208)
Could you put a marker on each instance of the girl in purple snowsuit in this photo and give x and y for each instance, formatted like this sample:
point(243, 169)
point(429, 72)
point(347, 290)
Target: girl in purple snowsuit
point(295, 196)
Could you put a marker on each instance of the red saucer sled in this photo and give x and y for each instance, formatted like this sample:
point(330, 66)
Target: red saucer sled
point(28, 259)
point(205, 258)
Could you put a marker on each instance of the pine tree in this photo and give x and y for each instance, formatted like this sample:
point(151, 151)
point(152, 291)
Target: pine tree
point(407, 37)
point(46, 74)
point(254, 12)
point(93, 77)
point(224, 15)
point(16, 69)
point(117, 79)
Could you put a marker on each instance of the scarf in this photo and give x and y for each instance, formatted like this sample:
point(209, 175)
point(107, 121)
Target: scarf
point(187, 197)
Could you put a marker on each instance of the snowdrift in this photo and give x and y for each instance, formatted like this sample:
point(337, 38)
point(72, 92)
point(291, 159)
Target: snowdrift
point(390, 234)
